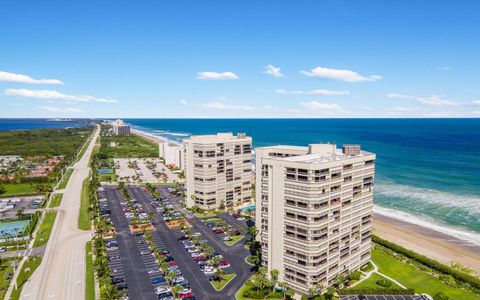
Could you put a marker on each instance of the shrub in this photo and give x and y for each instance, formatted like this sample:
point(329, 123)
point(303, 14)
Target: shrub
point(440, 296)
point(355, 275)
point(371, 291)
point(384, 282)
point(433, 264)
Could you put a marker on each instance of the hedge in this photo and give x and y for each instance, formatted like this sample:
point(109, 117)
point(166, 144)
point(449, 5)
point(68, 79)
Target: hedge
point(433, 264)
point(373, 291)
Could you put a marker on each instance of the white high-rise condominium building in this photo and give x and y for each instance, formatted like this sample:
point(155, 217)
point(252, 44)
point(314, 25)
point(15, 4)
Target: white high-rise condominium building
point(218, 170)
point(120, 128)
point(173, 154)
point(314, 211)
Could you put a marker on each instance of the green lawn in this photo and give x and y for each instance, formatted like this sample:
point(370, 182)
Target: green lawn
point(32, 263)
point(45, 229)
point(66, 177)
point(89, 277)
point(6, 274)
point(371, 282)
point(206, 214)
point(128, 146)
point(420, 281)
point(17, 189)
point(239, 294)
point(219, 285)
point(234, 240)
point(56, 200)
point(84, 215)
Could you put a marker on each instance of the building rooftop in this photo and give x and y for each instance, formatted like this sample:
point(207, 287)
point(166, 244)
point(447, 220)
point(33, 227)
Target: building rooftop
point(322, 158)
point(218, 138)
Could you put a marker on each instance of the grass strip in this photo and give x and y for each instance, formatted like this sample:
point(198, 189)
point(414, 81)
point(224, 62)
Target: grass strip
point(84, 215)
point(234, 240)
point(412, 277)
point(89, 277)
point(30, 265)
point(45, 229)
point(219, 285)
point(56, 200)
point(66, 177)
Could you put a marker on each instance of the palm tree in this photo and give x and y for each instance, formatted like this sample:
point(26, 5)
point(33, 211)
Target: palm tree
point(340, 279)
point(274, 276)
point(283, 286)
point(252, 231)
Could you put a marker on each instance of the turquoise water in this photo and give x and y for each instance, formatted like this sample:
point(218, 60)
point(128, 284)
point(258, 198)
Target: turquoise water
point(248, 208)
point(13, 228)
point(428, 170)
point(105, 171)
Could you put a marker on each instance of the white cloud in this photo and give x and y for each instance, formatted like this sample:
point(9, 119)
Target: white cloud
point(273, 71)
point(322, 92)
point(57, 109)
point(19, 78)
point(217, 75)
point(183, 102)
point(340, 75)
point(17, 104)
point(476, 102)
point(323, 107)
point(54, 95)
point(435, 100)
point(401, 109)
point(220, 105)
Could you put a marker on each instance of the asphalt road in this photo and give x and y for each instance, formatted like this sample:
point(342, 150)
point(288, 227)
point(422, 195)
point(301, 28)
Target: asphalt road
point(61, 274)
point(236, 254)
point(136, 277)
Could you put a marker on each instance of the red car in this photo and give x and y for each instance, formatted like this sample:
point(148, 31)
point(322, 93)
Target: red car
point(188, 295)
point(199, 258)
point(219, 231)
point(172, 263)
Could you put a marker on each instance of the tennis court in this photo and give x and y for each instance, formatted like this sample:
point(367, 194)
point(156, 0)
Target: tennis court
point(13, 228)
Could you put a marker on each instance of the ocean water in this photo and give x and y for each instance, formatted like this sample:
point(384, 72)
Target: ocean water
point(428, 170)
point(17, 124)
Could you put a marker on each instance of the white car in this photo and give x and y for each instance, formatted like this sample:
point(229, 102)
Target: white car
point(129, 215)
point(227, 238)
point(197, 234)
point(208, 272)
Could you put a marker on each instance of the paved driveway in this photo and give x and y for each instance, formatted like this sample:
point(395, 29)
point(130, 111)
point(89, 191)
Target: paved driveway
point(200, 285)
point(136, 276)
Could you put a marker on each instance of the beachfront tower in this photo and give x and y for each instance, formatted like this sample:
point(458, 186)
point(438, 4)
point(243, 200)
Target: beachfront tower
point(314, 211)
point(120, 128)
point(218, 170)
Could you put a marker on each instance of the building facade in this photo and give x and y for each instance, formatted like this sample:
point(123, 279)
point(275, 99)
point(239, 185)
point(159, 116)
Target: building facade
point(218, 170)
point(173, 154)
point(314, 211)
point(120, 128)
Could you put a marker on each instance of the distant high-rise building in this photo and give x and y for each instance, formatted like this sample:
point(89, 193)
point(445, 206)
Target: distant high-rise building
point(173, 154)
point(120, 128)
point(314, 211)
point(218, 170)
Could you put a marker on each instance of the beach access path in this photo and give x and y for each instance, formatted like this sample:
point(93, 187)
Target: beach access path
point(62, 272)
point(434, 244)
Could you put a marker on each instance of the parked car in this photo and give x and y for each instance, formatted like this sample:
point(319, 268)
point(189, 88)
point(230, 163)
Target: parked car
point(227, 238)
point(157, 280)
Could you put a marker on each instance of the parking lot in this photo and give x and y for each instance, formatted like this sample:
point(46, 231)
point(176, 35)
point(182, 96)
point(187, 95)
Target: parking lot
point(127, 268)
point(383, 297)
point(194, 271)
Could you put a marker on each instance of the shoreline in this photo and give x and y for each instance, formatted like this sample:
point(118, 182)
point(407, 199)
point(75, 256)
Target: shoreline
point(431, 243)
point(152, 137)
point(416, 237)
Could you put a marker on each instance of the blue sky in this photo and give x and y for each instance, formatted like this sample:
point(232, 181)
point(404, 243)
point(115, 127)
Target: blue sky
point(172, 59)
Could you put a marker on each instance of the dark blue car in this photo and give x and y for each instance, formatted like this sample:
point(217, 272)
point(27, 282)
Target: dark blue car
point(157, 280)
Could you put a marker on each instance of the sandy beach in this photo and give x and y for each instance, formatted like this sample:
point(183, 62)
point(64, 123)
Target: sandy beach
point(431, 243)
point(434, 244)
